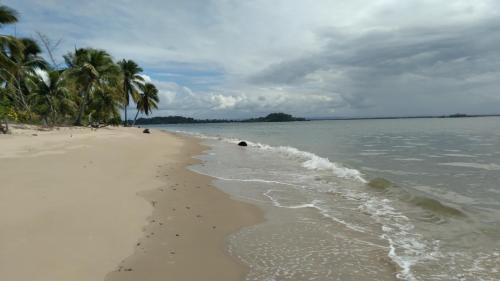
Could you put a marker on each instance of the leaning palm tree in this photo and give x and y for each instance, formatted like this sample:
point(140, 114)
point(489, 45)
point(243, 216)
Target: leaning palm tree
point(16, 67)
point(131, 81)
point(7, 15)
point(8, 44)
point(92, 70)
point(148, 100)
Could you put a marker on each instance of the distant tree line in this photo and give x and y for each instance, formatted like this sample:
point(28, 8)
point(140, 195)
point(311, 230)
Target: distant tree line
point(273, 117)
point(90, 89)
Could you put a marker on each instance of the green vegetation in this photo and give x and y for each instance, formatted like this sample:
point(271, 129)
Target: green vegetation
point(273, 117)
point(89, 90)
point(276, 117)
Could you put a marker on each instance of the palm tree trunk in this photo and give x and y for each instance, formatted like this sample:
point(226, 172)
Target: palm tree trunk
point(78, 121)
point(126, 121)
point(135, 119)
point(52, 113)
point(20, 93)
point(125, 89)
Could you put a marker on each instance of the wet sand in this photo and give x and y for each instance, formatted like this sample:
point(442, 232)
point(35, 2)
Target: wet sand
point(112, 204)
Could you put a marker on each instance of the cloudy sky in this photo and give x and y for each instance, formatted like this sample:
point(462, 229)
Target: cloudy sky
point(237, 59)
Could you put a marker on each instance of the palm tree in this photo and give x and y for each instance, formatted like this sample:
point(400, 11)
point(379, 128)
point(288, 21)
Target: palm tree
point(7, 15)
point(92, 70)
point(148, 100)
point(131, 81)
point(17, 66)
point(8, 44)
point(52, 96)
point(106, 105)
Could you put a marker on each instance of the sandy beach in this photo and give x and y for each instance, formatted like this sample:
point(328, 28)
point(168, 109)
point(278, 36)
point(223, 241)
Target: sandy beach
point(112, 204)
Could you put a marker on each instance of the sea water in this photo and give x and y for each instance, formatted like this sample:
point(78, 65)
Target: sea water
point(409, 199)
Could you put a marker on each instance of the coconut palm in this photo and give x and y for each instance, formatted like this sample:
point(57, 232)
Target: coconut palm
point(105, 106)
point(17, 66)
point(131, 81)
point(7, 15)
point(148, 100)
point(52, 96)
point(8, 44)
point(92, 70)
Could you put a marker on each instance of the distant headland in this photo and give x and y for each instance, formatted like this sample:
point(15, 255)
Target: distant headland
point(273, 117)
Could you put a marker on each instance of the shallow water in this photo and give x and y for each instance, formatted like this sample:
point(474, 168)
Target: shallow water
point(416, 199)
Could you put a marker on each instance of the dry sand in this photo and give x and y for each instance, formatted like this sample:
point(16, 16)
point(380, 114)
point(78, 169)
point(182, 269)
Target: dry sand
point(112, 204)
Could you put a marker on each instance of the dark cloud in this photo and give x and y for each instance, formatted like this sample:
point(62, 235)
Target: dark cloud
point(451, 66)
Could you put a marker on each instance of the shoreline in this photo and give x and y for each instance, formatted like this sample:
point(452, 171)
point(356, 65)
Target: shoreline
point(195, 249)
point(82, 205)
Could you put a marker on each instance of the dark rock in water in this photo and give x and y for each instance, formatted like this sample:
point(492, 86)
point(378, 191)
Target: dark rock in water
point(146, 131)
point(242, 143)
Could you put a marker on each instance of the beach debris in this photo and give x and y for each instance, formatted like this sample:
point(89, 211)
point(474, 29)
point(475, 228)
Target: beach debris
point(146, 131)
point(242, 143)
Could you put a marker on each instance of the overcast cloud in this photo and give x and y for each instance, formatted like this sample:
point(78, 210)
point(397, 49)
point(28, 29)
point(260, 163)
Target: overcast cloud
point(236, 59)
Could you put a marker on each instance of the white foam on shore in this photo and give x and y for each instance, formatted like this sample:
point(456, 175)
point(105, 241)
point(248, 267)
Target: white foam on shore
point(315, 204)
point(406, 247)
point(309, 160)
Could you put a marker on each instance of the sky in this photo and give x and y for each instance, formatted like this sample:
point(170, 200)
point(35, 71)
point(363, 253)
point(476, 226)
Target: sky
point(322, 58)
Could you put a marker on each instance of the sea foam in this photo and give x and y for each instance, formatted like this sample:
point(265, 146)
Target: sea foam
point(308, 160)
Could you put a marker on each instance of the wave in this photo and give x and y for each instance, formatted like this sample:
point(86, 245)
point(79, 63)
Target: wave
point(425, 202)
point(308, 160)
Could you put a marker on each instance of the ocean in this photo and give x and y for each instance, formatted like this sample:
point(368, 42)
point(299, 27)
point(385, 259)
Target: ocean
point(397, 199)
